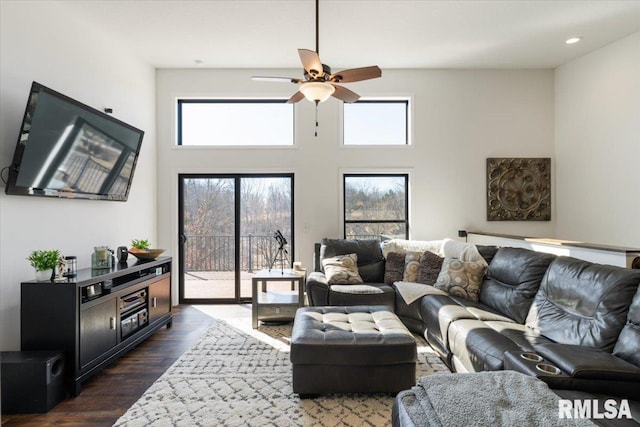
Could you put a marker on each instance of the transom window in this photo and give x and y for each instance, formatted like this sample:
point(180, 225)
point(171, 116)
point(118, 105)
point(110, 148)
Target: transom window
point(376, 205)
point(234, 122)
point(381, 122)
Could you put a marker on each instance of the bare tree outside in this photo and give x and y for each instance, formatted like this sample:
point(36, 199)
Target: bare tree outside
point(265, 208)
point(375, 206)
point(209, 220)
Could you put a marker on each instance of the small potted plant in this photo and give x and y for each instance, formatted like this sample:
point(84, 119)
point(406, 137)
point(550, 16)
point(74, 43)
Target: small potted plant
point(141, 250)
point(44, 262)
point(142, 244)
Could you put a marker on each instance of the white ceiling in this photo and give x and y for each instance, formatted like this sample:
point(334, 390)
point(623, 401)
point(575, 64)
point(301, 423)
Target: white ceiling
point(353, 33)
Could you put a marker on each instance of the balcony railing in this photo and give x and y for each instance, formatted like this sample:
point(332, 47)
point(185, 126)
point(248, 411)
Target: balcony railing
point(217, 253)
point(257, 251)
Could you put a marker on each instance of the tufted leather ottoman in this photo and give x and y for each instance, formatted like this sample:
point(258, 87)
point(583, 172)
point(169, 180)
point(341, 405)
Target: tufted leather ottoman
point(354, 349)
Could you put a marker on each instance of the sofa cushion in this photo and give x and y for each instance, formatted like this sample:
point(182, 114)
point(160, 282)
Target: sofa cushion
point(362, 294)
point(361, 289)
point(342, 269)
point(513, 279)
point(439, 312)
point(429, 269)
point(525, 338)
point(628, 345)
point(481, 311)
point(370, 259)
point(393, 268)
point(461, 278)
point(582, 303)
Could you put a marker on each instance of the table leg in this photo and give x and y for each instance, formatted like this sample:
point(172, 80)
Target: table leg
point(301, 286)
point(254, 303)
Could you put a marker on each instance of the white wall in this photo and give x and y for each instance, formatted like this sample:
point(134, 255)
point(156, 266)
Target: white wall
point(43, 42)
point(597, 153)
point(460, 118)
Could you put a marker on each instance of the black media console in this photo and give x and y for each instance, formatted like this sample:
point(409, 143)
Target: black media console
point(96, 316)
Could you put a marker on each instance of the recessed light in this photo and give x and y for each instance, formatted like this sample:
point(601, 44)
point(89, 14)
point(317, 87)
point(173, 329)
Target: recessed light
point(198, 61)
point(573, 40)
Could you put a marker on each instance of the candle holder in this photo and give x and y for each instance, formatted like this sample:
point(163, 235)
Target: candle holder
point(100, 258)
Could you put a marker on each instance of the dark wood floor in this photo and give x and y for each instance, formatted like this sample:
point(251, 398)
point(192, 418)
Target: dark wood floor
point(108, 395)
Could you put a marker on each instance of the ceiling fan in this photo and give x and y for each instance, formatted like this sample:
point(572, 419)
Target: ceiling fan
point(319, 83)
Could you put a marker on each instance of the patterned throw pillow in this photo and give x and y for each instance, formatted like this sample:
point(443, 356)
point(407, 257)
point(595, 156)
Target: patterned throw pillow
point(394, 268)
point(342, 270)
point(411, 266)
point(429, 269)
point(461, 278)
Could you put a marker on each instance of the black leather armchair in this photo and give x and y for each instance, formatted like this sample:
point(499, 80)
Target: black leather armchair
point(370, 266)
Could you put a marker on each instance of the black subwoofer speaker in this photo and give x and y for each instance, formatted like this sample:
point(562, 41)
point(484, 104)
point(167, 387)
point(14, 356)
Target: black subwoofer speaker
point(32, 381)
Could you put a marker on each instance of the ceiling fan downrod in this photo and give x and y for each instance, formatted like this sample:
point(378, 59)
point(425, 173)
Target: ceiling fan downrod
point(317, 26)
point(315, 134)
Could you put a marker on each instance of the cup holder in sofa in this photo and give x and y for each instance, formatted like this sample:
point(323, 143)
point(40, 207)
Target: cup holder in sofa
point(548, 369)
point(531, 357)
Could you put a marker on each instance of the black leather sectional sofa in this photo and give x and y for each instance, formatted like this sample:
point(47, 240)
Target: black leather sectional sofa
point(579, 322)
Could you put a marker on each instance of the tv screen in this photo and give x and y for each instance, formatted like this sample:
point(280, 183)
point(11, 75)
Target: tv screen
point(68, 149)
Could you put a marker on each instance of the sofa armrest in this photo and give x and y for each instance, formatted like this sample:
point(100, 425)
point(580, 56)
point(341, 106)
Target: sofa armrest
point(318, 278)
point(317, 289)
point(588, 363)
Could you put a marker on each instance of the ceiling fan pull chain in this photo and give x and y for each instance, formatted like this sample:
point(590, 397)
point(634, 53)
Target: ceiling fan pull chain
point(316, 131)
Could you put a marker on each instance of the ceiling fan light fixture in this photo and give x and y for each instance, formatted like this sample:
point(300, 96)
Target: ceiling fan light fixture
point(317, 91)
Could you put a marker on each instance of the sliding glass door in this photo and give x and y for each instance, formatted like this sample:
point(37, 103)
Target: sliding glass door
point(227, 225)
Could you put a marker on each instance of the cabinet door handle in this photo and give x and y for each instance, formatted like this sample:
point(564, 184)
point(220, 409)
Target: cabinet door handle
point(112, 323)
point(154, 304)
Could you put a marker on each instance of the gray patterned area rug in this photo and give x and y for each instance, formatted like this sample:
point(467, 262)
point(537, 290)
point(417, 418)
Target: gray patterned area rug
point(235, 376)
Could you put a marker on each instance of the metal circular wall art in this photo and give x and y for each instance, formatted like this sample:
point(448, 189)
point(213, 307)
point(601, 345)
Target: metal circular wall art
point(519, 189)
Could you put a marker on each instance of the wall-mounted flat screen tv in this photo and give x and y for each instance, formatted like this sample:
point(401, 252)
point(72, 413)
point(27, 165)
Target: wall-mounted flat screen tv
point(68, 149)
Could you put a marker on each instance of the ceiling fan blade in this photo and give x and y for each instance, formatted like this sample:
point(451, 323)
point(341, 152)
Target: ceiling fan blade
point(311, 62)
point(275, 79)
point(344, 94)
point(298, 96)
point(356, 74)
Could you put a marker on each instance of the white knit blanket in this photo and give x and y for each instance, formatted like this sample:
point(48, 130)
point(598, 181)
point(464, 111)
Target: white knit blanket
point(461, 250)
point(410, 291)
point(446, 248)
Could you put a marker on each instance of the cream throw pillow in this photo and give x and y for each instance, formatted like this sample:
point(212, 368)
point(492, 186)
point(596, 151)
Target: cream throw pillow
point(342, 270)
point(411, 266)
point(461, 278)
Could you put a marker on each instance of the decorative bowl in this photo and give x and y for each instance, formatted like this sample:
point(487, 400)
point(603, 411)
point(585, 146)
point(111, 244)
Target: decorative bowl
point(146, 254)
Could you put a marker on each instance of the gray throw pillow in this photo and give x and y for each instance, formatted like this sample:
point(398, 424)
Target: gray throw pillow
point(393, 268)
point(429, 269)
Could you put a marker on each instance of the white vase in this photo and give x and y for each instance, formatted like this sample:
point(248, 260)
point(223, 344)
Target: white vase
point(44, 275)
